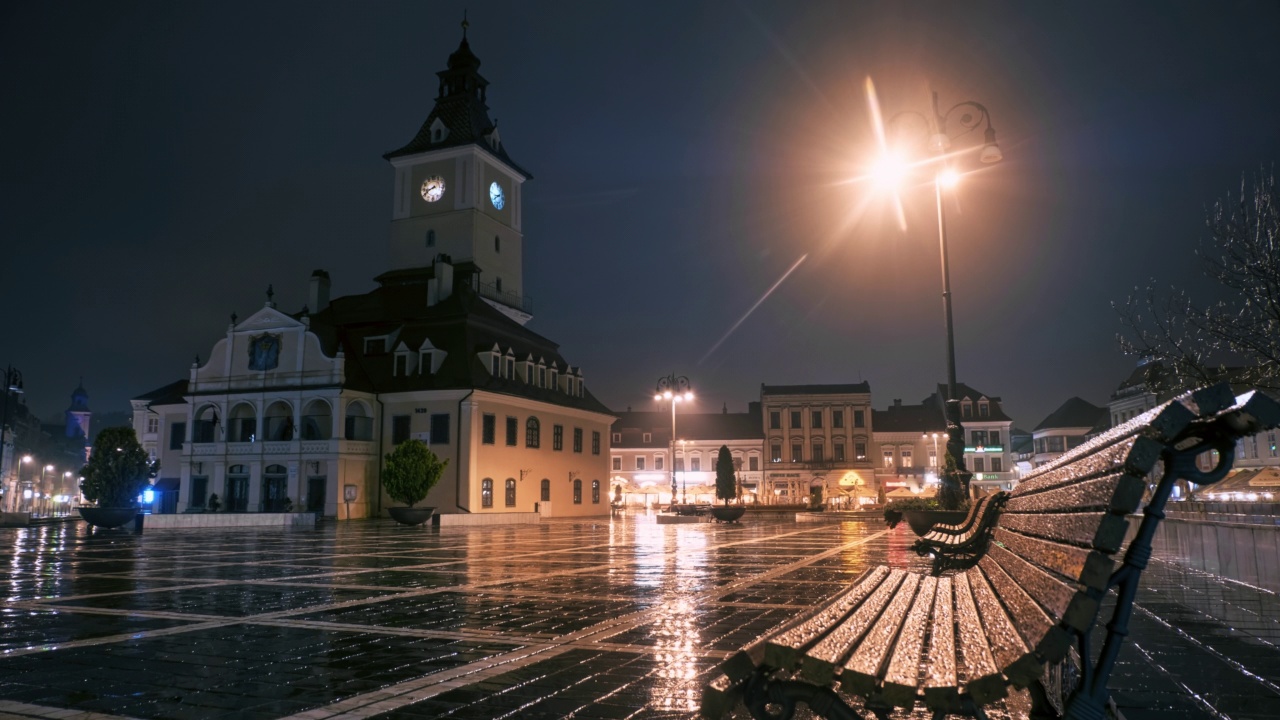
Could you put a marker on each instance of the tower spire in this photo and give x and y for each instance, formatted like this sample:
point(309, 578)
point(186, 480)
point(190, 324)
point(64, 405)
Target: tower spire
point(465, 24)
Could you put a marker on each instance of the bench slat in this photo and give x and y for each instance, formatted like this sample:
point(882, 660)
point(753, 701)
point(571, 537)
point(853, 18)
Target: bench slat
point(982, 676)
point(1012, 656)
point(1040, 632)
point(862, 668)
point(975, 512)
point(783, 650)
point(1120, 493)
point(823, 659)
point(903, 674)
point(1133, 455)
point(1100, 530)
point(1061, 600)
point(1089, 567)
point(940, 692)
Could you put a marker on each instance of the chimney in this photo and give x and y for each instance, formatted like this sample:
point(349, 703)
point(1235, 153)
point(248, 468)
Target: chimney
point(318, 297)
point(440, 286)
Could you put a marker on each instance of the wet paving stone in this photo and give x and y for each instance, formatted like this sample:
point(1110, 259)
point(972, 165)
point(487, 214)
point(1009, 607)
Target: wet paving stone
point(234, 600)
point(236, 671)
point(21, 628)
point(391, 579)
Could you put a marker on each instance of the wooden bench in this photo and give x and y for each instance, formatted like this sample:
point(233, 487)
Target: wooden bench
point(957, 643)
point(961, 545)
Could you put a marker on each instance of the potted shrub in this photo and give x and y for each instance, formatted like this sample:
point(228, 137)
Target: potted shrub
point(214, 503)
point(116, 474)
point(726, 488)
point(410, 472)
point(815, 499)
point(923, 513)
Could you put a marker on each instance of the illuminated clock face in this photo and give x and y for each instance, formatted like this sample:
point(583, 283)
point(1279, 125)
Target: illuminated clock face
point(496, 196)
point(433, 188)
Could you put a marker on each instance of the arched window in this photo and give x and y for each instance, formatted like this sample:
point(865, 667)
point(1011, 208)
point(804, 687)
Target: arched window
point(359, 425)
point(595, 492)
point(317, 421)
point(242, 426)
point(206, 426)
point(431, 234)
point(274, 489)
point(531, 432)
point(486, 492)
point(546, 490)
point(511, 492)
point(277, 421)
point(577, 492)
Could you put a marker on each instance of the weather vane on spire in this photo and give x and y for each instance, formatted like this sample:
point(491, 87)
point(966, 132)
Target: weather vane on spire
point(465, 24)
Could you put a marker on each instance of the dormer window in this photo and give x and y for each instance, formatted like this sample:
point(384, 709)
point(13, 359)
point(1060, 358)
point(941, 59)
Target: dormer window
point(496, 365)
point(438, 131)
point(511, 366)
point(555, 378)
point(425, 365)
point(375, 346)
point(542, 376)
point(984, 409)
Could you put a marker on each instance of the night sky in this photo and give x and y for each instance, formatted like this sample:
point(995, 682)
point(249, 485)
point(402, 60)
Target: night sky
point(164, 162)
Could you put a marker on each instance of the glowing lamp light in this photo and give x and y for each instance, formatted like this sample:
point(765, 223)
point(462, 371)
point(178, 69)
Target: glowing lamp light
point(26, 494)
point(990, 150)
point(889, 171)
point(948, 178)
point(148, 496)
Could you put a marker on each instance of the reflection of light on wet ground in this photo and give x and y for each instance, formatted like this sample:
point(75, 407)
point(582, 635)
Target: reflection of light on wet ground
point(676, 638)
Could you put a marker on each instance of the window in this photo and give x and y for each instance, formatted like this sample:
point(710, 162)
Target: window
point(617, 438)
point(577, 440)
point(795, 419)
point(513, 428)
point(510, 496)
point(439, 429)
point(837, 452)
point(979, 437)
point(595, 492)
point(532, 433)
point(753, 463)
point(646, 438)
point(546, 490)
point(177, 435)
point(199, 491)
point(497, 284)
point(617, 463)
point(497, 244)
point(994, 436)
point(542, 377)
point(595, 442)
point(511, 361)
point(375, 346)
point(639, 462)
point(888, 457)
point(775, 420)
point(996, 465)
point(966, 409)
point(399, 428)
point(859, 418)
point(1271, 441)
point(577, 492)
point(488, 429)
point(837, 418)
point(817, 452)
point(401, 365)
point(979, 465)
point(431, 238)
point(486, 492)
point(797, 451)
point(815, 418)
point(679, 464)
point(658, 462)
point(984, 409)
point(495, 368)
point(775, 452)
point(557, 437)
point(153, 425)
point(860, 451)
point(906, 457)
point(695, 463)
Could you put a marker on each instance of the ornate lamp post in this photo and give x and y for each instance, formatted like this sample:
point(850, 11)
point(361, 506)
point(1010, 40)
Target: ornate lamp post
point(12, 384)
point(674, 389)
point(933, 133)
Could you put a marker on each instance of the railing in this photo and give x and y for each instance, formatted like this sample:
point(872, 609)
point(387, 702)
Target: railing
point(285, 447)
point(510, 299)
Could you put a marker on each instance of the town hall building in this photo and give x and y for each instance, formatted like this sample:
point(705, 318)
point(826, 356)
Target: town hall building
point(298, 409)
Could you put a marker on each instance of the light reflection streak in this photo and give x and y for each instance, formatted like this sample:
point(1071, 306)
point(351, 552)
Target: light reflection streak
point(747, 314)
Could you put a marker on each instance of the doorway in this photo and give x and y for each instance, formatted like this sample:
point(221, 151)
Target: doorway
point(315, 494)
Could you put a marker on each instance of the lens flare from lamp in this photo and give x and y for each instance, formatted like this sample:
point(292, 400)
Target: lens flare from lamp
point(889, 172)
point(949, 178)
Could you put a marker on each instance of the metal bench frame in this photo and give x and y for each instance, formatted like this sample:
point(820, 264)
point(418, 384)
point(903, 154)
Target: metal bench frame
point(967, 541)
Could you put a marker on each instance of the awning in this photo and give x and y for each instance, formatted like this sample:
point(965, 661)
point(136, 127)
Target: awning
point(167, 484)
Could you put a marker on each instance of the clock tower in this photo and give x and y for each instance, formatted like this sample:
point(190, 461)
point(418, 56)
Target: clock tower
point(458, 192)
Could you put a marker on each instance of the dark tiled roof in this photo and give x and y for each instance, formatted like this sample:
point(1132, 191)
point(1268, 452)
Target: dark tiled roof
point(862, 387)
point(1074, 413)
point(171, 394)
point(690, 426)
point(463, 112)
point(909, 418)
point(964, 391)
point(463, 326)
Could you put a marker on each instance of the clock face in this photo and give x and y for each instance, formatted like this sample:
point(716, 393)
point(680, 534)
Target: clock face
point(433, 188)
point(496, 196)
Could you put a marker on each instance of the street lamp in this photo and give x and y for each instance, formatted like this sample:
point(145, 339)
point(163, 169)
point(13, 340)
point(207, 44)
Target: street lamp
point(26, 490)
point(12, 384)
point(674, 389)
point(44, 490)
point(968, 116)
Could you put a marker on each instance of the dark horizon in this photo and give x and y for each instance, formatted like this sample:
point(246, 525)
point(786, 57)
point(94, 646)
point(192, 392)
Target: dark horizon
point(167, 162)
